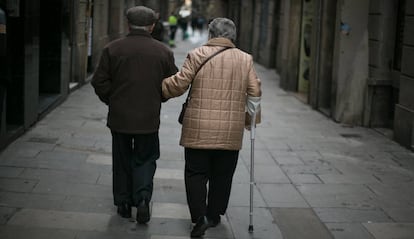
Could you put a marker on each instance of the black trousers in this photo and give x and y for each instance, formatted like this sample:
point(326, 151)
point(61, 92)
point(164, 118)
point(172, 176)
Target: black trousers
point(133, 166)
point(215, 167)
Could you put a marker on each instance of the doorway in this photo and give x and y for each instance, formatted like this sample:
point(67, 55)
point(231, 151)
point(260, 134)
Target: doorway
point(50, 53)
point(308, 12)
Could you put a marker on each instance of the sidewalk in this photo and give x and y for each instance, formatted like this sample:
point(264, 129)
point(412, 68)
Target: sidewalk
point(314, 178)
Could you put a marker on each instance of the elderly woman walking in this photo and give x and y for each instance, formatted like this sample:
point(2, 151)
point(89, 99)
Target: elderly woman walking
point(222, 79)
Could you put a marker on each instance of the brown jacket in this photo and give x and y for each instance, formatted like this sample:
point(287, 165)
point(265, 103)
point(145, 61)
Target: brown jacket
point(128, 79)
point(215, 116)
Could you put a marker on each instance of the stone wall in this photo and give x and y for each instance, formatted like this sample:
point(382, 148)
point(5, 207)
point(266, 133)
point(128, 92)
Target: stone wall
point(350, 71)
point(404, 111)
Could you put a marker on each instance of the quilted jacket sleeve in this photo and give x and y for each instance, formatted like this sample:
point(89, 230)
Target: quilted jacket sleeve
point(178, 84)
point(253, 92)
point(254, 83)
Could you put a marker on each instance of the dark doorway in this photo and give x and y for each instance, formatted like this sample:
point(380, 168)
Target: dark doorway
point(50, 53)
point(322, 94)
point(15, 61)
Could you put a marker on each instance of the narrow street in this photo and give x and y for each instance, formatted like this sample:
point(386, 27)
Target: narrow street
point(314, 178)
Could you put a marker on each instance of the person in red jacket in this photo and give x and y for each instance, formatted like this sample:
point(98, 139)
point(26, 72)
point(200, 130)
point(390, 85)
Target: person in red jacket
point(128, 79)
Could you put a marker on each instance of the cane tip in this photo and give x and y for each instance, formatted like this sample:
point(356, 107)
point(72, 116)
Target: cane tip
point(250, 228)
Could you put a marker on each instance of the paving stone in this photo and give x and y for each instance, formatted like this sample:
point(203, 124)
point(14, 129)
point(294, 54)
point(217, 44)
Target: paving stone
point(240, 196)
point(261, 157)
point(112, 235)
point(394, 196)
point(23, 232)
point(54, 175)
point(170, 210)
point(31, 200)
point(162, 227)
point(10, 172)
point(308, 156)
point(263, 224)
point(103, 147)
point(99, 159)
point(347, 215)
point(88, 204)
point(242, 173)
point(391, 230)
point(171, 152)
point(299, 223)
point(5, 214)
point(95, 168)
point(24, 148)
point(401, 214)
point(169, 190)
point(23, 152)
point(352, 178)
point(34, 218)
point(337, 195)
point(288, 160)
point(63, 154)
point(17, 185)
point(269, 174)
point(105, 179)
point(404, 158)
point(76, 143)
point(391, 174)
point(167, 237)
point(275, 144)
point(163, 173)
point(320, 169)
point(348, 230)
point(281, 195)
point(171, 164)
point(304, 178)
point(74, 189)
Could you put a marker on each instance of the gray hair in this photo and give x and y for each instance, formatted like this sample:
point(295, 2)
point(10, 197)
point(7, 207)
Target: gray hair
point(222, 27)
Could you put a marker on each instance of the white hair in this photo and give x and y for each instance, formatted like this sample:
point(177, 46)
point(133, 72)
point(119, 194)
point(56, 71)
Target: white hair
point(222, 27)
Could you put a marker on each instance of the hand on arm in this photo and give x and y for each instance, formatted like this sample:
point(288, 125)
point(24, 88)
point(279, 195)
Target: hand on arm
point(178, 84)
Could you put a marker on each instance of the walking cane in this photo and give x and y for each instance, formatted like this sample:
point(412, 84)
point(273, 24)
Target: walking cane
point(253, 107)
point(252, 135)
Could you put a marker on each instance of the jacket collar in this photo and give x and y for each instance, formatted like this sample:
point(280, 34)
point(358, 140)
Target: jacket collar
point(138, 32)
point(220, 41)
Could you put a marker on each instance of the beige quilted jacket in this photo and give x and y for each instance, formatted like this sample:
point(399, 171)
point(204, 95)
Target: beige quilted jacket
point(215, 115)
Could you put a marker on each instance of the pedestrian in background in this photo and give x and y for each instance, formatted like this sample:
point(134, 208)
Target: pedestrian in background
point(128, 79)
point(158, 31)
point(214, 122)
point(172, 21)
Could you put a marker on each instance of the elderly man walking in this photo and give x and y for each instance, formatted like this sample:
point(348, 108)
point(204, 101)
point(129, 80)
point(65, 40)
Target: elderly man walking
point(128, 79)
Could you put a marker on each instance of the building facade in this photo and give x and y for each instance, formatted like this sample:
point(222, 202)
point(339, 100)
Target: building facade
point(50, 48)
point(350, 59)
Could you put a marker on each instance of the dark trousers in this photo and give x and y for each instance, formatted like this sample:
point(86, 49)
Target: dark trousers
point(173, 30)
point(215, 167)
point(133, 166)
point(2, 97)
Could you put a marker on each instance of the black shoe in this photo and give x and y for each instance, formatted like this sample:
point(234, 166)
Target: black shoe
point(143, 212)
point(201, 226)
point(124, 210)
point(214, 222)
